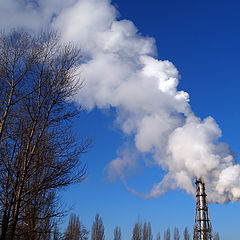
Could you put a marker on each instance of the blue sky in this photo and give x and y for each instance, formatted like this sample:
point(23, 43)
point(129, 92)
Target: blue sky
point(201, 39)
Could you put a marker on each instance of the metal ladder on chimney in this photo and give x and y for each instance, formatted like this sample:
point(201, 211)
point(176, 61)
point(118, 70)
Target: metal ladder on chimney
point(202, 224)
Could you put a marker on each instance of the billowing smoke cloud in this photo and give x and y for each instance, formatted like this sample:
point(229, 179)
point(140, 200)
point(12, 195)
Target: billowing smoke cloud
point(121, 71)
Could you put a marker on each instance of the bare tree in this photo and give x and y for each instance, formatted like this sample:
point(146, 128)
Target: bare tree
point(117, 233)
point(216, 236)
point(158, 236)
point(167, 234)
point(38, 153)
point(176, 234)
point(97, 229)
point(75, 229)
point(186, 234)
point(56, 233)
point(36, 220)
point(137, 231)
point(147, 231)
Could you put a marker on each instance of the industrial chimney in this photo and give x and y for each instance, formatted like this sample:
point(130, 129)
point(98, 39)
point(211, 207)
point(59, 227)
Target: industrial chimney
point(202, 223)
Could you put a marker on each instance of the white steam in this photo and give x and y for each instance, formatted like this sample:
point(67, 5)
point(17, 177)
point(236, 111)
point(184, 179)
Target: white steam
point(121, 72)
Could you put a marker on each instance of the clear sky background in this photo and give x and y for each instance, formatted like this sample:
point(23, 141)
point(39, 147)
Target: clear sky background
point(202, 39)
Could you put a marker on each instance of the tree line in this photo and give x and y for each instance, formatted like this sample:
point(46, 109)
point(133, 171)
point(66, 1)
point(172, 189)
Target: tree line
point(77, 231)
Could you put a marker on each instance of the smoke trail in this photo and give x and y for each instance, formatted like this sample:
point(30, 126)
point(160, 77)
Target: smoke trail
point(121, 71)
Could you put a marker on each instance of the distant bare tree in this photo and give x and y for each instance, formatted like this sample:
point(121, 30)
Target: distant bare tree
point(186, 234)
point(56, 233)
point(147, 231)
point(167, 234)
point(38, 153)
point(75, 229)
point(97, 229)
point(216, 236)
point(117, 233)
point(137, 231)
point(176, 234)
point(158, 236)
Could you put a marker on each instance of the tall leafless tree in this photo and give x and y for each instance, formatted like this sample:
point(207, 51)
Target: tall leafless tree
point(186, 234)
point(56, 233)
point(137, 231)
point(38, 153)
point(117, 233)
point(75, 229)
point(216, 236)
point(176, 234)
point(158, 236)
point(97, 229)
point(167, 234)
point(147, 231)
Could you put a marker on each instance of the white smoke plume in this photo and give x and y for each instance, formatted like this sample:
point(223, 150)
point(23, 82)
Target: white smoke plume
point(122, 71)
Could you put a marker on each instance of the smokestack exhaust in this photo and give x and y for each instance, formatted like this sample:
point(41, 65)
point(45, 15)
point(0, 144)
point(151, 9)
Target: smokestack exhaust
point(202, 223)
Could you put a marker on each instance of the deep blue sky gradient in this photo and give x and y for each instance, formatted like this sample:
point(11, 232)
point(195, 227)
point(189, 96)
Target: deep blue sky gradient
point(202, 39)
